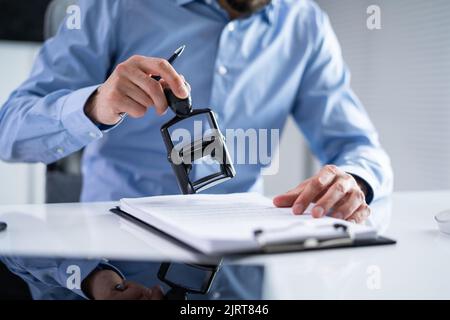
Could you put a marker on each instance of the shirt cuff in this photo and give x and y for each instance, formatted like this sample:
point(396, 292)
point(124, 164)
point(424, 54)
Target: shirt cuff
point(74, 119)
point(105, 265)
point(364, 177)
point(106, 128)
point(73, 273)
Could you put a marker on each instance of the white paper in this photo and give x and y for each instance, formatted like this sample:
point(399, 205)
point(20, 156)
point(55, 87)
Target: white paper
point(220, 220)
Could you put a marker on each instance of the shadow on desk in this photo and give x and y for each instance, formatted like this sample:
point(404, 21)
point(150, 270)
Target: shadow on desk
point(13, 287)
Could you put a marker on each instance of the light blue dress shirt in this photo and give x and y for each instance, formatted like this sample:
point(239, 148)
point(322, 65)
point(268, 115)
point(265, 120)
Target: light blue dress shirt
point(254, 73)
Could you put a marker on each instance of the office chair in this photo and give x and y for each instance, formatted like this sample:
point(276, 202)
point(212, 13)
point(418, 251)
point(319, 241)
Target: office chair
point(63, 178)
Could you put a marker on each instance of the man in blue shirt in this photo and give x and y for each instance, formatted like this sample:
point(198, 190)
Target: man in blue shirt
point(254, 62)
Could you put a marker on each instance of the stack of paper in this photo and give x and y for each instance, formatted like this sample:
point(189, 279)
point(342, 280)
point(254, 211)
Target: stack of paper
point(227, 223)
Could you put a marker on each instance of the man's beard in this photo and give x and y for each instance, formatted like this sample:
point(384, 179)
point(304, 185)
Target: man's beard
point(247, 6)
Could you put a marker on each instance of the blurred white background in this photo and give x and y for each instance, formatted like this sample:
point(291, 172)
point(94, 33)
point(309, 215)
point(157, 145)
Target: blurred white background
point(401, 73)
point(20, 183)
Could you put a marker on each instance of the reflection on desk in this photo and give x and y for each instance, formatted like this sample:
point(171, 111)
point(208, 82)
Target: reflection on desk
point(415, 268)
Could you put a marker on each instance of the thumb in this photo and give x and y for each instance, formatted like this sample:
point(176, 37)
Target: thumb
point(156, 293)
point(288, 199)
point(285, 200)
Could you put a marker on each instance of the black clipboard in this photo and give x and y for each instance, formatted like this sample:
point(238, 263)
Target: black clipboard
point(293, 247)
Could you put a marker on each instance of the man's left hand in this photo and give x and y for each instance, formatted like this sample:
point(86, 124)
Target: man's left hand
point(333, 191)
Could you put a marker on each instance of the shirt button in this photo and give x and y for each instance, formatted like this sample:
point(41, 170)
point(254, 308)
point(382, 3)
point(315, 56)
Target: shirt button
point(222, 70)
point(60, 150)
point(231, 27)
point(216, 295)
point(208, 1)
point(93, 135)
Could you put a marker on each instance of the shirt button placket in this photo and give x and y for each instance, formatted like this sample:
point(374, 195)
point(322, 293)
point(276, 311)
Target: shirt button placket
point(228, 51)
point(231, 26)
point(222, 70)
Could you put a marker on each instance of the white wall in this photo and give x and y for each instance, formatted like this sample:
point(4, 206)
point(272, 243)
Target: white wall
point(295, 163)
point(20, 183)
point(402, 75)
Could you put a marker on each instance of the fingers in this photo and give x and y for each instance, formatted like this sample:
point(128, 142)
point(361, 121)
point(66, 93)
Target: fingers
point(146, 87)
point(352, 202)
point(332, 190)
point(361, 214)
point(135, 291)
point(158, 96)
point(131, 291)
point(337, 192)
point(146, 294)
point(314, 188)
point(154, 293)
point(162, 68)
point(138, 95)
point(157, 293)
point(286, 200)
point(130, 89)
point(132, 108)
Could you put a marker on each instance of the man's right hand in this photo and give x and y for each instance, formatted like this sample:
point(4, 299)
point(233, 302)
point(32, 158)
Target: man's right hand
point(130, 89)
point(102, 285)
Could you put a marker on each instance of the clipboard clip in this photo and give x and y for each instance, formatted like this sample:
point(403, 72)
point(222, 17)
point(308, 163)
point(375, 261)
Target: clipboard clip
point(269, 242)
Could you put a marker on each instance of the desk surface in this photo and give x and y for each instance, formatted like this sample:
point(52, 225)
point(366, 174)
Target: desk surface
point(417, 267)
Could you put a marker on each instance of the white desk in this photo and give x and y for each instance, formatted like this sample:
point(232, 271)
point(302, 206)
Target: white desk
point(417, 267)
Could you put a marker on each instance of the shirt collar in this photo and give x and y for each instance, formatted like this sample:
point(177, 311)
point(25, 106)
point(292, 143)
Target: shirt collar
point(268, 12)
